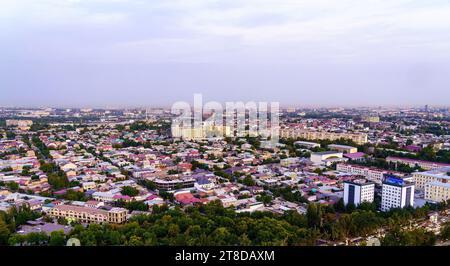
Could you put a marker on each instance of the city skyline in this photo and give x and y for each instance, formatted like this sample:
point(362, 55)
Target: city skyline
point(126, 53)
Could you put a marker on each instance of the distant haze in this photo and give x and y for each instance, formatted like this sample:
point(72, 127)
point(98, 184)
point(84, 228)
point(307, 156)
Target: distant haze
point(123, 53)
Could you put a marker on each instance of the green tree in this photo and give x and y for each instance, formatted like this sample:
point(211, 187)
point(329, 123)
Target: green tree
point(314, 215)
point(129, 191)
point(36, 238)
point(248, 181)
point(13, 186)
point(58, 180)
point(445, 232)
point(4, 232)
point(135, 241)
point(57, 238)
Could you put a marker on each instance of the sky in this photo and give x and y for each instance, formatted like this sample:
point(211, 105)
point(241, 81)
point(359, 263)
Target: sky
point(141, 53)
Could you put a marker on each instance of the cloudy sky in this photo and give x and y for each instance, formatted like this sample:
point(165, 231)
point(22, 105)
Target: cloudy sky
point(117, 53)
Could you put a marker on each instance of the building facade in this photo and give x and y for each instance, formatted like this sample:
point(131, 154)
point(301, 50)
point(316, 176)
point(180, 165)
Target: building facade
point(427, 165)
point(373, 174)
point(396, 193)
point(342, 148)
point(89, 215)
point(359, 138)
point(358, 191)
point(437, 191)
point(435, 175)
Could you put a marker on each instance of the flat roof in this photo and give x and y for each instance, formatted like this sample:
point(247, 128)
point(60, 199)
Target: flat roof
point(341, 146)
point(439, 184)
point(326, 153)
point(360, 182)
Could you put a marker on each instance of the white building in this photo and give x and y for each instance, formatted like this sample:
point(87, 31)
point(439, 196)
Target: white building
point(435, 175)
point(358, 191)
point(307, 144)
point(322, 157)
point(371, 173)
point(103, 196)
point(396, 193)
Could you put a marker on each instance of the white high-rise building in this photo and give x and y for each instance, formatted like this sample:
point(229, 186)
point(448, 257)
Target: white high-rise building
point(358, 191)
point(396, 193)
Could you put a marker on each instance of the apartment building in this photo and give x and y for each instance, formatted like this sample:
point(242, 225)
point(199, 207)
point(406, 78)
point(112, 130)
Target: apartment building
point(202, 132)
point(173, 183)
point(89, 215)
point(435, 184)
point(427, 165)
point(371, 173)
point(437, 191)
point(435, 175)
point(359, 138)
point(20, 124)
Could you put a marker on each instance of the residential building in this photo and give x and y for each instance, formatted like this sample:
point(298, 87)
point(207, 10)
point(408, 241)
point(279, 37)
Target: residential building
point(437, 191)
point(435, 184)
point(359, 138)
point(435, 175)
point(20, 124)
point(89, 215)
point(427, 165)
point(371, 173)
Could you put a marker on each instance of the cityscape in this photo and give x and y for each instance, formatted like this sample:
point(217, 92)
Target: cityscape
point(337, 176)
point(217, 130)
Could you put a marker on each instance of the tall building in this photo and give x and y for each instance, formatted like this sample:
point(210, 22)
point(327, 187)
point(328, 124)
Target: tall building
point(198, 133)
point(358, 191)
point(396, 193)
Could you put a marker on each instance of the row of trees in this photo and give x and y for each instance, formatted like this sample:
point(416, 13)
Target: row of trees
point(383, 164)
point(43, 150)
point(427, 154)
point(212, 224)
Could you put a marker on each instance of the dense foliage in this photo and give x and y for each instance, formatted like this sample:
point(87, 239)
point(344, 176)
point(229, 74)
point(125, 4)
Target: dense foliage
point(212, 224)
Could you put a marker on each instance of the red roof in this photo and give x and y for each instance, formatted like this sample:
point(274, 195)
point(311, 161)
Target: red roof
point(186, 198)
point(124, 197)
